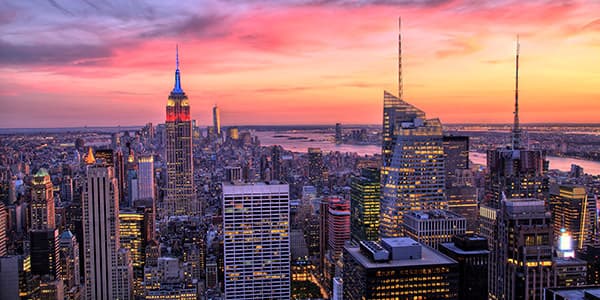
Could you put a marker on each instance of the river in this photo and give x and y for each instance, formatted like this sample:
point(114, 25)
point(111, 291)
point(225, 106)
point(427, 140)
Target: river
point(300, 141)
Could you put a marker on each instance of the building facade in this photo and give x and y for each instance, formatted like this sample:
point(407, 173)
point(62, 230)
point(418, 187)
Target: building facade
point(413, 164)
point(365, 197)
point(432, 227)
point(146, 189)
point(569, 206)
point(101, 232)
point(256, 240)
point(470, 251)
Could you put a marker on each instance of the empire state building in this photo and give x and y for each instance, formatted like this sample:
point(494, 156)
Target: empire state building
point(180, 194)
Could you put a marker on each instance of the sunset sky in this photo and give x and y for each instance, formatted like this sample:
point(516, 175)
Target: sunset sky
point(74, 63)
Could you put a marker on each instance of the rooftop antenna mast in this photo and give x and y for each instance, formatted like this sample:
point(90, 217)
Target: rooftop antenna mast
point(400, 89)
point(516, 134)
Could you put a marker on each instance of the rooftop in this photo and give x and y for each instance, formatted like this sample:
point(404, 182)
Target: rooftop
point(575, 293)
point(429, 256)
point(452, 247)
point(437, 214)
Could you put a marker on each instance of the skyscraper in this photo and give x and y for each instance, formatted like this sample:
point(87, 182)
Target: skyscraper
point(365, 195)
point(146, 177)
point(317, 171)
point(69, 260)
point(513, 172)
point(525, 252)
point(180, 193)
point(470, 251)
point(412, 172)
point(568, 204)
point(42, 202)
point(217, 120)
point(132, 180)
point(43, 235)
point(256, 240)
point(133, 236)
point(338, 227)
point(101, 232)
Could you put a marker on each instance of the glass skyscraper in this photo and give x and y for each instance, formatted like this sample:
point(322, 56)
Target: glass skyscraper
point(413, 164)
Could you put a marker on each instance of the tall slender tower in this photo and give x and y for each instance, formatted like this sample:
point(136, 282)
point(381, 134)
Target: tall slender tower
point(516, 132)
point(412, 172)
point(101, 234)
point(180, 195)
point(514, 172)
point(217, 120)
point(43, 234)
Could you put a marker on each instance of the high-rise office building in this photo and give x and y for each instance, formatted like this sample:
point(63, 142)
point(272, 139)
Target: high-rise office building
point(513, 172)
point(42, 202)
point(69, 260)
point(338, 133)
point(470, 251)
point(44, 234)
point(145, 174)
point(101, 232)
point(413, 172)
point(456, 154)
point(256, 240)
point(124, 275)
point(132, 181)
point(569, 206)
point(365, 195)
point(398, 268)
point(66, 189)
point(180, 198)
point(317, 172)
point(133, 236)
point(45, 252)
point(524, 262)
point(217, 120)
point(338, 225)
point(461, 192)
point(432, 227)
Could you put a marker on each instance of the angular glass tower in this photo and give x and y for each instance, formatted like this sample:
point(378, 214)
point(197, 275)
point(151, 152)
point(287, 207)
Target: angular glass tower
point(413, 164)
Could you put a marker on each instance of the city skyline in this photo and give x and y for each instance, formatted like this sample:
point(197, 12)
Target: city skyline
point(326, 55)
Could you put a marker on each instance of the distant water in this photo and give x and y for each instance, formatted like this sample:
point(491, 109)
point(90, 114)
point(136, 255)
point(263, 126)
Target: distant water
point(300, 141)
point(58, 130)
point(558, 163)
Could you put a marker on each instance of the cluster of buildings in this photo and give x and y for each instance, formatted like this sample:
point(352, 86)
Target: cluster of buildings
point(176, 212)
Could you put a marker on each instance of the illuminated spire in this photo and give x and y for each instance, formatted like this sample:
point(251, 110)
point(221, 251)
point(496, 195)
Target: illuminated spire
point(400, 91)
point(516, 132)
point(89, 158)
point(177, 87)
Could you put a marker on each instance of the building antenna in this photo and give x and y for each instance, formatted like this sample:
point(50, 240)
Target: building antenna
point(177, 56)
point(516, 139)
point(400, 89)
